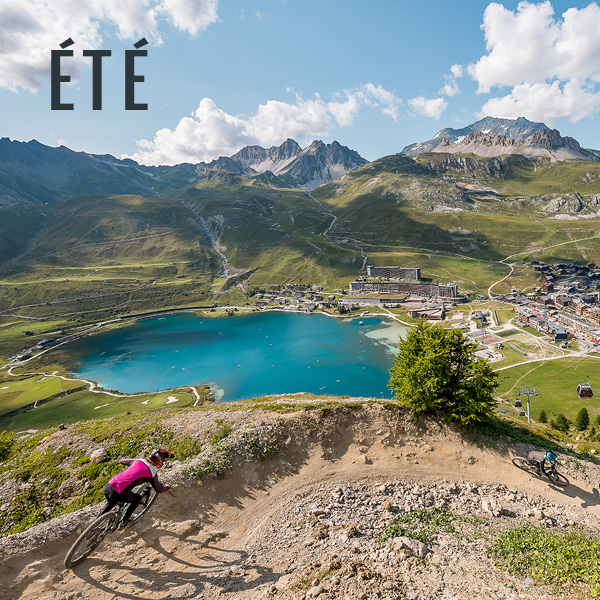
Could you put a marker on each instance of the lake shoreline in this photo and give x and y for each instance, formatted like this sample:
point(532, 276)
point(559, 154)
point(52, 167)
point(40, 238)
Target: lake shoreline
point(95, 386)
point(246, 357)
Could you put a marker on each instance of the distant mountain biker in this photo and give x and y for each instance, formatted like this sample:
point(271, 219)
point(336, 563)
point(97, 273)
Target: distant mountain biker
point(541, 459)
point(120, 487)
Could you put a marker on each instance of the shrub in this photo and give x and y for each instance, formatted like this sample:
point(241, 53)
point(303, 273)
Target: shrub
point(7, 441)
point(543, 418)
point(221, 431)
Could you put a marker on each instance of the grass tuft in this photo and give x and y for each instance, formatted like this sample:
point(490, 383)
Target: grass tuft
point(559, 559)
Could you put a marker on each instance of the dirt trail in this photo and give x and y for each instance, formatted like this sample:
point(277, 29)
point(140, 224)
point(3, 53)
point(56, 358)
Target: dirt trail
point(233, 538)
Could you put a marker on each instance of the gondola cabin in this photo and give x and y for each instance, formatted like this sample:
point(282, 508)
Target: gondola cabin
point(584, 390)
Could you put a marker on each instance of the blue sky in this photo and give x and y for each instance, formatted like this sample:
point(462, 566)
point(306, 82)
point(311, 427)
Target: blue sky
point(373, 75)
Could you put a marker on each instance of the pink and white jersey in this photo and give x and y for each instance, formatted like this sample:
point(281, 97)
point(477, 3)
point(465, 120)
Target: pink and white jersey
point(139, 471)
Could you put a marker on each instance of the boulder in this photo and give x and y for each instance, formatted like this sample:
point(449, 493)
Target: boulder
point(491, 506)
point(99, 455)
point(315, 591)
point(415, 547)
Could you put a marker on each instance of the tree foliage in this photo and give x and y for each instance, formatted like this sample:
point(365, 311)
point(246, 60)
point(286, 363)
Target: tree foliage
point(543, 418)
point(582, 420)
point(436, 372)
point(560, 422)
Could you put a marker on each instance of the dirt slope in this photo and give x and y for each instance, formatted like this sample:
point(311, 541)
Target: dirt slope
point(304, 524)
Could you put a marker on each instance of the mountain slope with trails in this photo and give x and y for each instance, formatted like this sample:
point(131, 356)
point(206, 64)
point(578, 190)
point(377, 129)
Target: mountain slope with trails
point(304, 522)
point(69, 230)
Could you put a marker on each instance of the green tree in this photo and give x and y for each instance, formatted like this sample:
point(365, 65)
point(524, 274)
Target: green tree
point(436, 372)
point(582, 420)
point(597, 421)
point(560, 422)
point(543, 418)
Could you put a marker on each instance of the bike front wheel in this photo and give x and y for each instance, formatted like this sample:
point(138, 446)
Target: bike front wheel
point(148, 497)
point(90, 539)
point(557, 478)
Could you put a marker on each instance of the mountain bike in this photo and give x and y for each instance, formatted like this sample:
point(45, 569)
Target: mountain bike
point(105, 524)
point(550, 471)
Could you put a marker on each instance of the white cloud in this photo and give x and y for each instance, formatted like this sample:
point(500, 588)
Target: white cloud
point(32, 28)
point(345, 111)
point(457, 71)
point(190, 15)
point(348, 103)
point(552, 64)
point(377, 96)
point(519, 43)
point(450, 88)
point(432, 107)
point(545, 102)
point(211, 132)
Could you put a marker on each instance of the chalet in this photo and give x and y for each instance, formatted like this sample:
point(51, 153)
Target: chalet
point(556, 331)
point(547, 287)
point(545, 301)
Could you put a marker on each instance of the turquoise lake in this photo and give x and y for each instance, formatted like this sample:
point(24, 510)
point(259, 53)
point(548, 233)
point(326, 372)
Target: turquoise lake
point(243, 357)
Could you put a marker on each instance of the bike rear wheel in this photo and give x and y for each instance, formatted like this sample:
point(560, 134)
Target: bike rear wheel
point(523, 464)
point(90, 539)
point(557, 478)
point(148, 497)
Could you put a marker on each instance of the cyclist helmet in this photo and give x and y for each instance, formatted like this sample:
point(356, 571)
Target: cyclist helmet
point(157, 457)
point(550, 456)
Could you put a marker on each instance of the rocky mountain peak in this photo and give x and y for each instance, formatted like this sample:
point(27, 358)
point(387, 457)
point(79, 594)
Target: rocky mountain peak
point(318, 163)
point(495, 137)
point(288, 149)
point(512, 128)
point(552, 140)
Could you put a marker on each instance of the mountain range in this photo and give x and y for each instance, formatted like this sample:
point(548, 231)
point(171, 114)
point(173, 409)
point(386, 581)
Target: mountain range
point(295, 167)
point(89, 227)
point(496, 137)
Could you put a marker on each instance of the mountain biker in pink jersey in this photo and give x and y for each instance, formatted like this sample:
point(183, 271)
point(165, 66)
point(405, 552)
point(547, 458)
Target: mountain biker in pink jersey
point(120, 487)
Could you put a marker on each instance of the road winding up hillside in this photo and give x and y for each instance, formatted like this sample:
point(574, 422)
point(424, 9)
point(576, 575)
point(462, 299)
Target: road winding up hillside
point(304, 524)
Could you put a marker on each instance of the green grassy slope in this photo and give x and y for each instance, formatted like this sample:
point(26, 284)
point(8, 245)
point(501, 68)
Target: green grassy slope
point(455, 217)
point(557, 381)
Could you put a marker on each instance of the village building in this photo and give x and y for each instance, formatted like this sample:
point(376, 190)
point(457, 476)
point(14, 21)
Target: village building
point(408, 273)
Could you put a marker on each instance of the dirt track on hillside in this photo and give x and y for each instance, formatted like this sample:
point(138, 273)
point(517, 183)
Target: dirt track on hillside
point(224, 538)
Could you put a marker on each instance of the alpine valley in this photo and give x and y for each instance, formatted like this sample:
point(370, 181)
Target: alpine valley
point(85, 237)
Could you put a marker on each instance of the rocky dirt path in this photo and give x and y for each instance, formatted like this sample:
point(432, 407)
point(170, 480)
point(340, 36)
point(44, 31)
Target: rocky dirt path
point(305, 524)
